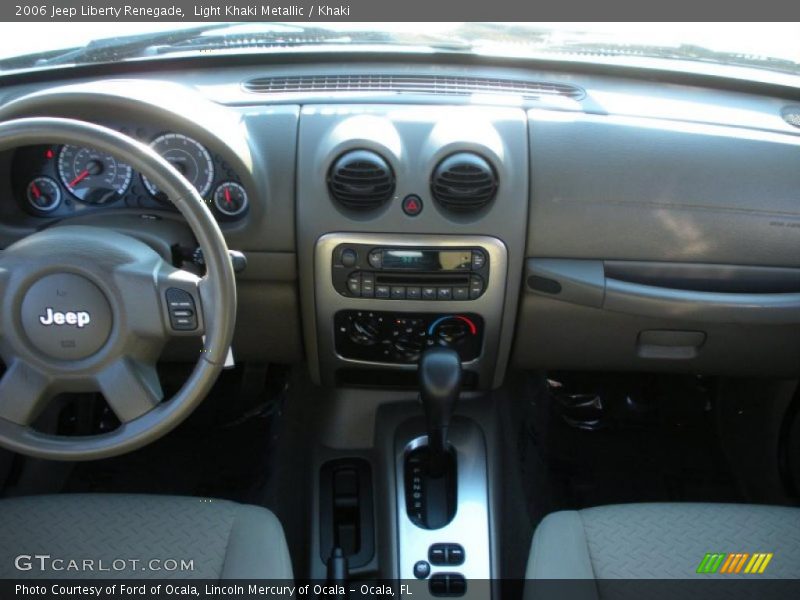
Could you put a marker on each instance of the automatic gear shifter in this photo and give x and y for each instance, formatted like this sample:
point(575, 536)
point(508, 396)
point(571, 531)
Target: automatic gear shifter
point(439, 382)
point(431, 470)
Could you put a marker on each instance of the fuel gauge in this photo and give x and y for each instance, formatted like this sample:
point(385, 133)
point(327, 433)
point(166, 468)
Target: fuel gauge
point(43, 194)
point(230, 198)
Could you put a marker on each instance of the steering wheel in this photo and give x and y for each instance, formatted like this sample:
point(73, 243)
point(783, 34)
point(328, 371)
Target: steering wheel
point(86, 309)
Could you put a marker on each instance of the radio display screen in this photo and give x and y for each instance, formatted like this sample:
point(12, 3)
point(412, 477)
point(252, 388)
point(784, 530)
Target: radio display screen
point(427, 260)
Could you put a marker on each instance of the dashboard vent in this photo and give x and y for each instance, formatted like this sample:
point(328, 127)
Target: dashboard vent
point(361, 180)
point(463, 182)
point(411, 84)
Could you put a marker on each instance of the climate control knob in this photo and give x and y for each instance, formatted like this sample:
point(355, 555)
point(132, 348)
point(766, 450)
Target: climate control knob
point(365, 330)
point(452, 330)
point(451, 333)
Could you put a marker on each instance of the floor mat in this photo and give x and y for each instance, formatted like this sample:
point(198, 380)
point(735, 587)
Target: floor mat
point(633, 439)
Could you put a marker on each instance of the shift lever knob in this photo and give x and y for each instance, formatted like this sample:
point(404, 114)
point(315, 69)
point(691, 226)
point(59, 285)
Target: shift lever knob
point(439, 382)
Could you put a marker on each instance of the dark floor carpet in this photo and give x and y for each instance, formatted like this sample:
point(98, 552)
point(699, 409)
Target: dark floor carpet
point(654, 440)
point(222, 450)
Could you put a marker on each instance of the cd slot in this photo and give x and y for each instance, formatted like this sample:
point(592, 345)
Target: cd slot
point(420, 279)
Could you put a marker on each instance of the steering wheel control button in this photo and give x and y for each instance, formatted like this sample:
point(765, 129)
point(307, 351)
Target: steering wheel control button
point(182, 310)
point(349, 257)
point(66, 316)
point(412, 205)
point(422, 569)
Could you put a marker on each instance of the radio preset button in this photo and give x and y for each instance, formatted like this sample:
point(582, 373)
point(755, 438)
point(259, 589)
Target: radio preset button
point(429, 293)
point(478, 259)
point(367, 285)
point(444, 293)
point(398, 292)
point(354, 285)
point(460, 293)
point(413, 292)
point(382, 291)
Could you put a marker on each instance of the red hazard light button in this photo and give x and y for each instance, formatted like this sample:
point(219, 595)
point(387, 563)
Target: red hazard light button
point(412, 205)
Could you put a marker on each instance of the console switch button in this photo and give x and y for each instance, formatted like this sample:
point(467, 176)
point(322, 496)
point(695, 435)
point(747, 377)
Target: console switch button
point(455, 554)
point(447, 584)
point(354, 285)
point(475, 287)
point(437, 554)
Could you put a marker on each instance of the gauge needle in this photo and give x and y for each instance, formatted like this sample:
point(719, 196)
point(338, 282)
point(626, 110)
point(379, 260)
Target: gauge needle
point(35, 190)
point(228, 196)
point(83, 175)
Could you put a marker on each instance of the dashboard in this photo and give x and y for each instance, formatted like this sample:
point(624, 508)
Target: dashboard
point(618, 222)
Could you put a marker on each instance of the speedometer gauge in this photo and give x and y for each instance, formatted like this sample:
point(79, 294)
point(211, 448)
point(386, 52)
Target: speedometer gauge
point(189, 157)
point(92, 176)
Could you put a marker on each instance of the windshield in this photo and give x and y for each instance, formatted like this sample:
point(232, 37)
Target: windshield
point(772, 47)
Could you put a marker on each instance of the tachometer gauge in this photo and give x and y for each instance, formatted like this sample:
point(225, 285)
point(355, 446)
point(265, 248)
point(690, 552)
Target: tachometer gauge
point(43, 194)
point(230, 198)
point(93, 177)
point(189, 157)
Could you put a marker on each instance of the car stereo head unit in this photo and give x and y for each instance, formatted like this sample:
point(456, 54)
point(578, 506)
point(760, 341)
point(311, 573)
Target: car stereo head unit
point(409, 273)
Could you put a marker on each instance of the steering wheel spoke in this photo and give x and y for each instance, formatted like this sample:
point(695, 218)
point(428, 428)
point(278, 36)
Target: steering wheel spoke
point(24, 393)
point(131, 388)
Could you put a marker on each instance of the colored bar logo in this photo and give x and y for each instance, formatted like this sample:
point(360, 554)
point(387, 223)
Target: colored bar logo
point(735, 562)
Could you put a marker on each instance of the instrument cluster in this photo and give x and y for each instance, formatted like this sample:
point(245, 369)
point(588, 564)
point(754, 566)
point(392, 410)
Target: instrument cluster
point(63, 180)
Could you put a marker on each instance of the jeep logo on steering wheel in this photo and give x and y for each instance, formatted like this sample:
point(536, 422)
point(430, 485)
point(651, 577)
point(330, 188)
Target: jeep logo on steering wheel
point(79, 319)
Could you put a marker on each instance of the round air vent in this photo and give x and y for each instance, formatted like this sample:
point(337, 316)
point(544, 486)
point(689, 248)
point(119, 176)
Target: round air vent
point(463, 182)
point(361, 180)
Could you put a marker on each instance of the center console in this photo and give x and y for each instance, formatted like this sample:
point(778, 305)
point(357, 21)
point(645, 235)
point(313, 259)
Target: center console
point(383, 299)
point(411, 228)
